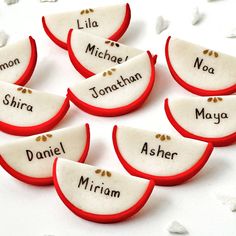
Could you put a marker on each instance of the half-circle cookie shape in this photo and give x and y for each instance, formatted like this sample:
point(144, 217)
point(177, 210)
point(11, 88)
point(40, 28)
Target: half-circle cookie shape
point(25, 111)
point(118, 90)
point(108, 22)
point(99, 195)
point(30, 159)
point(18, 61)
point(91, 54)
point(166, 159)
point(200, 70)
point(210, 119)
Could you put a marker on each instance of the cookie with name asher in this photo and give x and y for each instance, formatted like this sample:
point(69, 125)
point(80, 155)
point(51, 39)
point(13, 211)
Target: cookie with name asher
point(210, 119)
point(118, 90)
point(91, 54)
point(30, 159)
point(99, 195)
point(201, 70)
point(25, 111)
point(166, 159)
point(17, 61)
point(108, 22)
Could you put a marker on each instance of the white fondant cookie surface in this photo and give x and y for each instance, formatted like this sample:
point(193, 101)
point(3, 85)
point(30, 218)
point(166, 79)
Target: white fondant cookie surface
point(212, 117)
point(201, 67)
point(33, 156)
point(91, 190)
point(15, 59)
point(96, 53)
point(102, 21)
point(20, 106)
point(118, 86)
point(158, 154)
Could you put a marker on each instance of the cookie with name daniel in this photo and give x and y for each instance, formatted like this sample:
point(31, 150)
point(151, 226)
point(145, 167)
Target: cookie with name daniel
point(17, 61)
point(30, 159)
point(210, 119)
point(97, 194)
point(118, 90)
point(108, 22)
point(201, 70)
point(91, 54)
point(166, 159)
point(25, 111)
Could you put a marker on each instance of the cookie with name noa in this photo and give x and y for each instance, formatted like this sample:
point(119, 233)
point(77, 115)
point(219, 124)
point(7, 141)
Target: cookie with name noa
point(166, 159)
point(99, 195)
point(18, 61)
point(25, 111)
point(118, 90)
point(210, 119)
point(31, 159)
point(108, 22)
point(201, 70)
point(91, 54)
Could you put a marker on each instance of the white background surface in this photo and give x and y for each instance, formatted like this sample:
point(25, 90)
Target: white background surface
point(27, 210)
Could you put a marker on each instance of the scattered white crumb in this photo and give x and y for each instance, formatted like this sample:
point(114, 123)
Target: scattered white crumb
point(229, 201)
point(161, 24)
point(177, 228)
point(9, 2)
point(48, 0)
point(3, 38)
point(231, 34)
point(196, 16)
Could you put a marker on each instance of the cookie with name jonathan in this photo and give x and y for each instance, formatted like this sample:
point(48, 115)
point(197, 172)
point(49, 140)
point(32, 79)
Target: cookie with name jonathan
point(30, 159)
point(108, 22)
point(17, 61)
point(118, 90)
point(91, 54)
point(201, 70)
point(166, 159)
point(24, 111)
point(99, 195)
point(210, 119)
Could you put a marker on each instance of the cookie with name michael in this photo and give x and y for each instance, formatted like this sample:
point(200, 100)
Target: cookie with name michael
point(117, 90)
point(201, 70)
point(17, 61)
point(99, 195)
point(30, 159)
point(166, 159)
point(25, 111)
point(210, 119)
point(108, 22)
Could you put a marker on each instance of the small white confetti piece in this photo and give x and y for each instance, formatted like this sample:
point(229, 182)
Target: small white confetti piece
point(231, 34)
point(177, 228)
point(161, 24)
point(3, 38)
point(196, 16)
point(9, 2)
point(48, 0)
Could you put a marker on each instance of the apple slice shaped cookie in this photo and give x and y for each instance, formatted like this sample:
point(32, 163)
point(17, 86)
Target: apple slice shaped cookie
point(166, 159)
point(117, 90)
point(109, 22)
point(91, 54)
point(17, 61)
point(99, 195)
point(210, 119)
point(200, 70)
point(31, 159)
point(25, 111)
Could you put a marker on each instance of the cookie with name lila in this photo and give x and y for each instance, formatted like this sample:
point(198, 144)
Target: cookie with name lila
point(210, 119)
point(30, 159)
point(25, 111)
point(166, 159)
point(108, 22)
point(97, 194)
point(18, 61)
point(201, 70)
point(118, 90)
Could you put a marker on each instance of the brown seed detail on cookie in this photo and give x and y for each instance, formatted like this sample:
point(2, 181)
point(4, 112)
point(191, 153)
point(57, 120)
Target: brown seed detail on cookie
point(109, 72)
point(103, 172)
point(24, 90)
point(163, 137)
point(43, 138)
point(210, 53)
point(86, 11)
point(112, 43)
point(215, 99)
